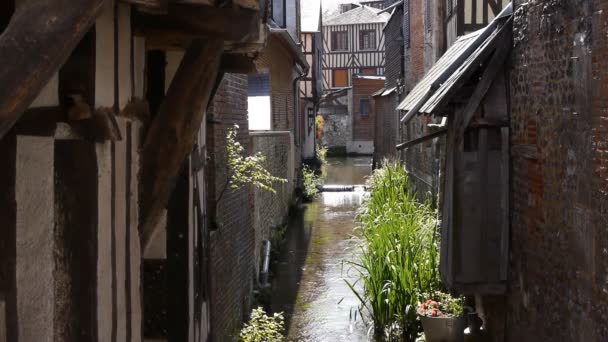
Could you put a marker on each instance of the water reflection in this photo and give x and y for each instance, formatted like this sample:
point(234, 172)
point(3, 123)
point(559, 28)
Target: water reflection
point(309, 284)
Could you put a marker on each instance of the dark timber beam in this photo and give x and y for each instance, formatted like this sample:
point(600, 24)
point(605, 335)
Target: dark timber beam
point(36, 43)
point(183, 21)
point(172, 132)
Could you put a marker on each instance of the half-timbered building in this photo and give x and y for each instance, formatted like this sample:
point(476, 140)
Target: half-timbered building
point(103, 122)
point(353, 43)
point(311, 86)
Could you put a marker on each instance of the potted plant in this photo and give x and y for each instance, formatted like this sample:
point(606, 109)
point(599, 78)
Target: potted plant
point(443, 318)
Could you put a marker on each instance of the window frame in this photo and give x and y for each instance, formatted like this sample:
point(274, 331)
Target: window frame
point(334, 40)
point(362, 34)
point(368, 106)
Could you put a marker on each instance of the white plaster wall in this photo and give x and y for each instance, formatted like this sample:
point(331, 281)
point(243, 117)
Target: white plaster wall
point(34, 194)
point(158, 246)
point(104, 60)
point(125, 85)
point(104, 242)
point(173, 60)
point(49, 95)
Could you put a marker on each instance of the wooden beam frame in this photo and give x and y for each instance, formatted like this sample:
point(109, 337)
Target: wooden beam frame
point(38, 40)
point(184, 22)
point(422, 139)
point(172, 133)
point(495, 65)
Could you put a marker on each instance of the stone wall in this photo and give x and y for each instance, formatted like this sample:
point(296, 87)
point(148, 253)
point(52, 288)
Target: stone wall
point(271, 209)
point(559, 123)
point(338, 125)
point(232, 240)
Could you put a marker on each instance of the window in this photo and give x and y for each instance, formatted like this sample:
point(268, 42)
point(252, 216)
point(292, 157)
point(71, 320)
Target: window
point(278, 12)
point(339, 41)
point(340, 78)
point(258, 102)
point(364, 107)
point(367, 40)
point(368, 71)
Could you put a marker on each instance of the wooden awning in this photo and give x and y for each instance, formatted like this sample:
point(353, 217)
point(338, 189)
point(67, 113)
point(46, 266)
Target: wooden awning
point(455, 67)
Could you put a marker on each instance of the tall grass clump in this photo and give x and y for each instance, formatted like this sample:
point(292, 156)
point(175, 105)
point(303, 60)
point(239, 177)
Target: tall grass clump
point(399, 259)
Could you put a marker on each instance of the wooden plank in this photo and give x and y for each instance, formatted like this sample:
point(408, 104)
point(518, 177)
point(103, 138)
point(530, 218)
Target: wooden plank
point(484, 258)
point(172, 133)
point(447, 238)
point(422, 139)
point(36, 43)
point(505, 193)
point(183, 22)
point(495, 66)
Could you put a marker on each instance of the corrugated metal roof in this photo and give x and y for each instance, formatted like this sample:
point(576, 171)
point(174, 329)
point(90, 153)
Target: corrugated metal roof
point(389, 91)
point(457, 52)
point(442, 96)
point(310, 14)
point(361, 15)
point(459, 58)
point(378, 93)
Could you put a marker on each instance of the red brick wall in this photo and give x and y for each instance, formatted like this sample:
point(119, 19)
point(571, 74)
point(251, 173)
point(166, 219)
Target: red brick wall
point(559, 122)
point(414, 67)
point(232, 267)
point(363, 127)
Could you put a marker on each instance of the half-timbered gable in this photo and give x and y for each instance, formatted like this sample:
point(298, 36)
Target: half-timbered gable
point(311, 86)
point(466, 16)
point(353, 43)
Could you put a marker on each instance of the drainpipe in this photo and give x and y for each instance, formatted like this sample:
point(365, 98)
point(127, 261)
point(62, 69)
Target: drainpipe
point(296, 92)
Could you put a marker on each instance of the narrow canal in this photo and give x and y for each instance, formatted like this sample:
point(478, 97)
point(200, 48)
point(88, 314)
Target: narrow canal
point(309, 282)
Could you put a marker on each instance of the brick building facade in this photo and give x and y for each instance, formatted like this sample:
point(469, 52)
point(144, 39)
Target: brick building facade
point(559, 148)
point(232, 239)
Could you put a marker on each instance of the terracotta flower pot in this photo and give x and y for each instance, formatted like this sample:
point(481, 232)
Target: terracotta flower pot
point(443, 329)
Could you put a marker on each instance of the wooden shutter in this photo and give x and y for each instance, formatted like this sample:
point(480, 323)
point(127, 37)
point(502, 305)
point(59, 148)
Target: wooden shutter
point(340, 78)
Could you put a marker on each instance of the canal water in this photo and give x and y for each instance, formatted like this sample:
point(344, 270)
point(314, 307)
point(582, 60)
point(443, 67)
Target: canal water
point(309, 283)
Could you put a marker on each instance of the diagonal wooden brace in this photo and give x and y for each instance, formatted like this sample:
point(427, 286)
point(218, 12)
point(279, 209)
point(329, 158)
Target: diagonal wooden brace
point(173, 131)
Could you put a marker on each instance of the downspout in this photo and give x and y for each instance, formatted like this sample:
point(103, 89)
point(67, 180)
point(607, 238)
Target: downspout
point(296, 93)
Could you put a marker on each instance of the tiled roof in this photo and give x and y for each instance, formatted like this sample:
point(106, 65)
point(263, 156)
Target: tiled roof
point(360, 15)
point(310, 11)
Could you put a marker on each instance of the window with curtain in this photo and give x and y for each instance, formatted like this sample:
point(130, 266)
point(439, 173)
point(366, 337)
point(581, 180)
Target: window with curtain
point(339, 41)
point(367, 39)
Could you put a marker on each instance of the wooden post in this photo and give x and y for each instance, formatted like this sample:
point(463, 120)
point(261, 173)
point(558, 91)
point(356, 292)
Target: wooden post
point(172, 133)
point(38, 40)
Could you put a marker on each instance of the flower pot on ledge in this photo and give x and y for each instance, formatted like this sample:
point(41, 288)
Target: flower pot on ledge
point(443, 329)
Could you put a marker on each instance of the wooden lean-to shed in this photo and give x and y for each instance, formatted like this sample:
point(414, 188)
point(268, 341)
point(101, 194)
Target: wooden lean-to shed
point(469, 86)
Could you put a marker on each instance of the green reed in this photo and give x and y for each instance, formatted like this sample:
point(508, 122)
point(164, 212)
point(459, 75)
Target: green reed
point(399, 259)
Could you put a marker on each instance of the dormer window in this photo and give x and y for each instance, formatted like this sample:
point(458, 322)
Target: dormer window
point(367, 40)
point(339, 41)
